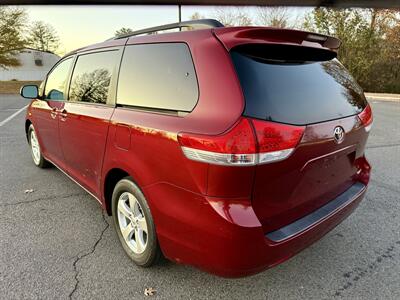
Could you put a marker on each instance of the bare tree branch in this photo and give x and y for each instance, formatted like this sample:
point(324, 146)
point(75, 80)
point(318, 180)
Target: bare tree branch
point(43, 37)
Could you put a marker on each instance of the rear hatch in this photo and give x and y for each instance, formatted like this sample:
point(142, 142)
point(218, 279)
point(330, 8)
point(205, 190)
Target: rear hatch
point(291, 88)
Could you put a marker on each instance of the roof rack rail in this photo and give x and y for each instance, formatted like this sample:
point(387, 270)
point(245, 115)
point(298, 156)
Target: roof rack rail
point(197, 24)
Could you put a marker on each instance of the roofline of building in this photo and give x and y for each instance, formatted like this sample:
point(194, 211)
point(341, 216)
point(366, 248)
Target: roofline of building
point(30, 48)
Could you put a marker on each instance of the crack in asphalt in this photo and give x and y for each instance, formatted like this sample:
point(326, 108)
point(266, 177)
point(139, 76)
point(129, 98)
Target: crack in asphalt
point(41, 199)
point(382, 146)
point(358, 273)
point(91, 251)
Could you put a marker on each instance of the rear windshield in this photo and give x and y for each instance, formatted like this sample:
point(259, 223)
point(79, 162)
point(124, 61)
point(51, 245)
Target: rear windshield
point(296, 91)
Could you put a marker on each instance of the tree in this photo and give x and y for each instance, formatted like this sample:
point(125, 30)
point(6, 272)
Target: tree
point(123, 31)
point(385, 72)
point(233, 17)
point(12, 24)
point(273, 16)
point(196, 16)
point(364, 35)
point(43, 37)
point(91, 87)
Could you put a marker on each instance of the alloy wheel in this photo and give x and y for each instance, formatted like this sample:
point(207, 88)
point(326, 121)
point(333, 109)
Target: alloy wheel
point(132, 222)
point(35, 147)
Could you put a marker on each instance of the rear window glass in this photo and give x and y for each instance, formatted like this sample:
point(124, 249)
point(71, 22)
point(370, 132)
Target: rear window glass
point(158, 76)
point(295, 91)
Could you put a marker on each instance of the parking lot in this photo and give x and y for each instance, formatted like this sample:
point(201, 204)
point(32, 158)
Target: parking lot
point(56, 243)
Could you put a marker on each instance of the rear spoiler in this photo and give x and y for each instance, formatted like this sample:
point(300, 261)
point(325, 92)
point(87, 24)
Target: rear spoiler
point(231, 37)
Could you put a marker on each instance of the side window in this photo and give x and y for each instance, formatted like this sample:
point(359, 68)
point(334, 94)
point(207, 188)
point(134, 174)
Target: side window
point(57, 80)
point(41, 88)
point(159, 76)
point(91, 78)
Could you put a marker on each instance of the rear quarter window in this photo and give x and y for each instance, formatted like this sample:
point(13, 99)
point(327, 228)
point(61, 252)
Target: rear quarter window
point(293, 91)
point(158, 76)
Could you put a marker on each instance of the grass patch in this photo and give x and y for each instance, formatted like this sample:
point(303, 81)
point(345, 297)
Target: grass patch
point(13, 87)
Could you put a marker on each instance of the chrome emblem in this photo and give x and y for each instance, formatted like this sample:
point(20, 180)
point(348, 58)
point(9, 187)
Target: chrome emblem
point(338, 134)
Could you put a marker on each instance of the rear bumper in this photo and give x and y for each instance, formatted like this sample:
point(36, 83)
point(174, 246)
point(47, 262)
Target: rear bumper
point(224, 236)
point(316, 216)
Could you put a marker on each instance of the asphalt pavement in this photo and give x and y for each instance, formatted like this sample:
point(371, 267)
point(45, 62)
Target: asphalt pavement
point(55, 243)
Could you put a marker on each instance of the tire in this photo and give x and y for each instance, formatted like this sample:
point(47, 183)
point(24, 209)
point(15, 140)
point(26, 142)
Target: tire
point(36, 152)
point(135, 228)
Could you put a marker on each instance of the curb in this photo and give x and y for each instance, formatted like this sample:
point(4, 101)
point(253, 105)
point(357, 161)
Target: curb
point(383, 97)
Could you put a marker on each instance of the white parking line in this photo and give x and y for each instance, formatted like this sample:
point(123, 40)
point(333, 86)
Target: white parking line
point(13, 115)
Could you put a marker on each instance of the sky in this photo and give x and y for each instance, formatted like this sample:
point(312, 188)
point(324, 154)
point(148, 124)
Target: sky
point(78, 26)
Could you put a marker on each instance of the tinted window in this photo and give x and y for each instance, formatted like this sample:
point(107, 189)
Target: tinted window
point(91, 78)
point(57, 80)
point(295, 91)
point(160, 76)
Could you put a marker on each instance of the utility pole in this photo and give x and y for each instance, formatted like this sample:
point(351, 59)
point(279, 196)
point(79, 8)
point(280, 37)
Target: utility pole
point(180, 15)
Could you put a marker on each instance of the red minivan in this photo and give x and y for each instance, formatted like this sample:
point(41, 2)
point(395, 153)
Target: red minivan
point(230, 149)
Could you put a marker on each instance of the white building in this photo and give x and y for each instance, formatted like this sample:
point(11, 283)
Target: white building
point(34, 66)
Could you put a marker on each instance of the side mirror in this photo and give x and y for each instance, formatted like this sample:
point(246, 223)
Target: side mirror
point(29, 91)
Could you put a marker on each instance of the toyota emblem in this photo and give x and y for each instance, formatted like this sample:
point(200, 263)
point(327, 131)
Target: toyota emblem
point(338, 134)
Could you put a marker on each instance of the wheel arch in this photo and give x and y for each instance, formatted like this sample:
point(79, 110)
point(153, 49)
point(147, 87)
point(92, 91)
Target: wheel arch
point(27, 124)
point(110, 180)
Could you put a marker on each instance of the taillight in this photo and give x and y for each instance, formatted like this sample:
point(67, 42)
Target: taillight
point(236, 147)
point(366, 118)
point(276, 141)
point(249, 142)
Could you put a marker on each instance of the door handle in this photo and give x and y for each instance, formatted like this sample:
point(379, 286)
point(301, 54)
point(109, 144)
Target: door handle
point(63, 114)
point(53, 113)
